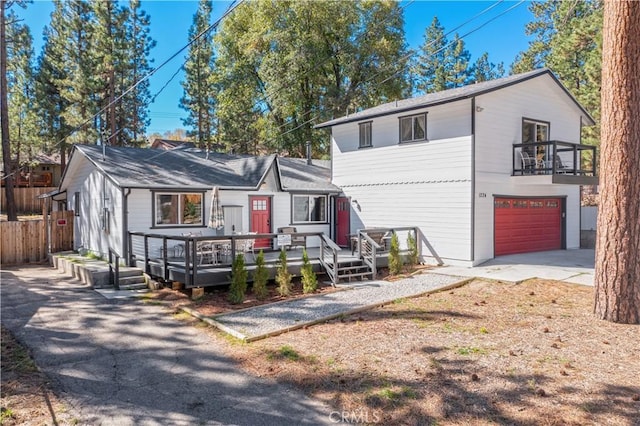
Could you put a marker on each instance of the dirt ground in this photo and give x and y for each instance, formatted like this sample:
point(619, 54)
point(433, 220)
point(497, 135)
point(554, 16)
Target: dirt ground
point(485, 353)
point(26, 397)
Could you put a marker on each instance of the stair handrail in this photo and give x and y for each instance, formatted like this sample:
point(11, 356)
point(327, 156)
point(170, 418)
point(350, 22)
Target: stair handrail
point(114, 271)
point(332, 270)
point(368, 251)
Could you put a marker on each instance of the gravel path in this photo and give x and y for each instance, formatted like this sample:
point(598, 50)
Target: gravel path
point(271, 319)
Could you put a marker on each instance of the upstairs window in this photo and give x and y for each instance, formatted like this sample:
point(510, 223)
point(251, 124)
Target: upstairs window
point(534, 131)
point(413, 128)
point(178, 209)
point(365, 135)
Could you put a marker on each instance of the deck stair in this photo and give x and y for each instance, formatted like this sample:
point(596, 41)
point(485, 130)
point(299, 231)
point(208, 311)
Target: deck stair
point(132, 279)
point(352, 269)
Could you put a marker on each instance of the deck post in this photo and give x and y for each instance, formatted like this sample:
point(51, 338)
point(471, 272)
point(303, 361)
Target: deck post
point(194, 255)
point(130, 250)
point(187, 261)
point(147, 268)
point(164, 258)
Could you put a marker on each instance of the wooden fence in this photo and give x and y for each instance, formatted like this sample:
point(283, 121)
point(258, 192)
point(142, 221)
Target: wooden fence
point(30, 241)
point(27, 200)
point(61, 234)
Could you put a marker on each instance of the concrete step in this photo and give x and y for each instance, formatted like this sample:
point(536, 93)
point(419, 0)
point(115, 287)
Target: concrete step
point(138, 286)
point(139, 279)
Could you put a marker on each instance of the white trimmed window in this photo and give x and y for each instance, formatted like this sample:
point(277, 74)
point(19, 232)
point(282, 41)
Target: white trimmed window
point(365, 135)
point(413, 128)
point(309, 208)
point(182, 209)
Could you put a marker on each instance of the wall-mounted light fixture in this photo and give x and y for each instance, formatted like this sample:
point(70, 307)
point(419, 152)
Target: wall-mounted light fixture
point(356, 205)
point(479, 109)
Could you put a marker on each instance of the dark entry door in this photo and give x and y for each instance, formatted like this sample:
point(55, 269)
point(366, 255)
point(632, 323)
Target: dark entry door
point(260, 217)
point(342, 221)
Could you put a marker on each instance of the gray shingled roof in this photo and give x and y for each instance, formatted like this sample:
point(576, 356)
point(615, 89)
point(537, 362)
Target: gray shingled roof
point(446, 96)
point(193, 168)
point(297, 175)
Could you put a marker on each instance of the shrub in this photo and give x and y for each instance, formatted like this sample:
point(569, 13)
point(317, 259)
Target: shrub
point(238, 280)
point(260, 278)
point(395, 262)
point(283, 276)
point(412, 245)
point(309, 279)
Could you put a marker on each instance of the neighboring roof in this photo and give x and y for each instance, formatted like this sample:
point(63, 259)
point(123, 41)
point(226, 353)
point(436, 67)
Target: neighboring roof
point(170, 144)
point(450, 95)
point(47, 159)
point(297, 175)
point(193, 168)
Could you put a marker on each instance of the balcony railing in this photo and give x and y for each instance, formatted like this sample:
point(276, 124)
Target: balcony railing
point(555, 158)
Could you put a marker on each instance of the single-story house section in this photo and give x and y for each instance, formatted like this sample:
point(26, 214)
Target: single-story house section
point(483, 170)
point(114, 191)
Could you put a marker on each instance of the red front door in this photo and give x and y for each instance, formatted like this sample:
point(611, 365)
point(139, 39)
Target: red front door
point(260, 219)
point(342, 221)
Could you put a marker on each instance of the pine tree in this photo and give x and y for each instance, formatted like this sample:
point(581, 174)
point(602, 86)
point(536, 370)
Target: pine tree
point(412, 245)
point(111, 54)
point(135, 111)
point(484, 70)
point(21, 92)
point(430, 71)
point(79, 85)
point(617, 274)
point(309, 279)
point(283, 276)
point(12, 214)
point(568, 40)
point(52, 72)
point(395, 261)
point(457, 64)
point(238, 286)
point(199, 89)
point(260, 278)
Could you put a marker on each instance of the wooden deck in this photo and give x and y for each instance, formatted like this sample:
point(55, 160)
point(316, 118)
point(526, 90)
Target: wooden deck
point(219, 273)
point(183, 259)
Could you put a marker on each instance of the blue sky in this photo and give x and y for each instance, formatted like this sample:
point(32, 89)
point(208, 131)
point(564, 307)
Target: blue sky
point(503, 37)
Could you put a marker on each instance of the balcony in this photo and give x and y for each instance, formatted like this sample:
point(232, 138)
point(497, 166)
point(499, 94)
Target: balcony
point(564, 162)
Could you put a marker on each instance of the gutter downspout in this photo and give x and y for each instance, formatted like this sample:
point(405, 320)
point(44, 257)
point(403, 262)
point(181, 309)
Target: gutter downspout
point(473, 177)
point(125, 223)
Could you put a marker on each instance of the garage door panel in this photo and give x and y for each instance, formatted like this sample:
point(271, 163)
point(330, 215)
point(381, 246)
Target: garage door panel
point(527, 225)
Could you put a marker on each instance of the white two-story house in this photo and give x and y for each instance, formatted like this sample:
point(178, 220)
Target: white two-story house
point(484, 170)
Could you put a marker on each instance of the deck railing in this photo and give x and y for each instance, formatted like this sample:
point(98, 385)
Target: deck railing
point(114, 268)
point(184, 252)
point(552, 158)
point(329, 250)
point(368, 250)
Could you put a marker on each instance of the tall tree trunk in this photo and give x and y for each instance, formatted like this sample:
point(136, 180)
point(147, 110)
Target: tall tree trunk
point(617, 279)
point(12, 214)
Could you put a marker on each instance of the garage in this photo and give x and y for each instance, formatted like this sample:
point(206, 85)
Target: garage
point(524, 225)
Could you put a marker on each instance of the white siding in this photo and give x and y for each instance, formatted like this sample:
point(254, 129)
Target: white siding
point(140, 206)
point(498, 127)
point(96, 194)
point(499, 124)
point(424, 184)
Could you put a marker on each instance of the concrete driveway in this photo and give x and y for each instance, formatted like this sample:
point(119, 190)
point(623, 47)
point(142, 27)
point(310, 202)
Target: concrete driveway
point(124, 362)
point(572, 266)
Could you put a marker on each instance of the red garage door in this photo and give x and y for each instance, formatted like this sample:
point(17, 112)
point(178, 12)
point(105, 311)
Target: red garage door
point(524, 225)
